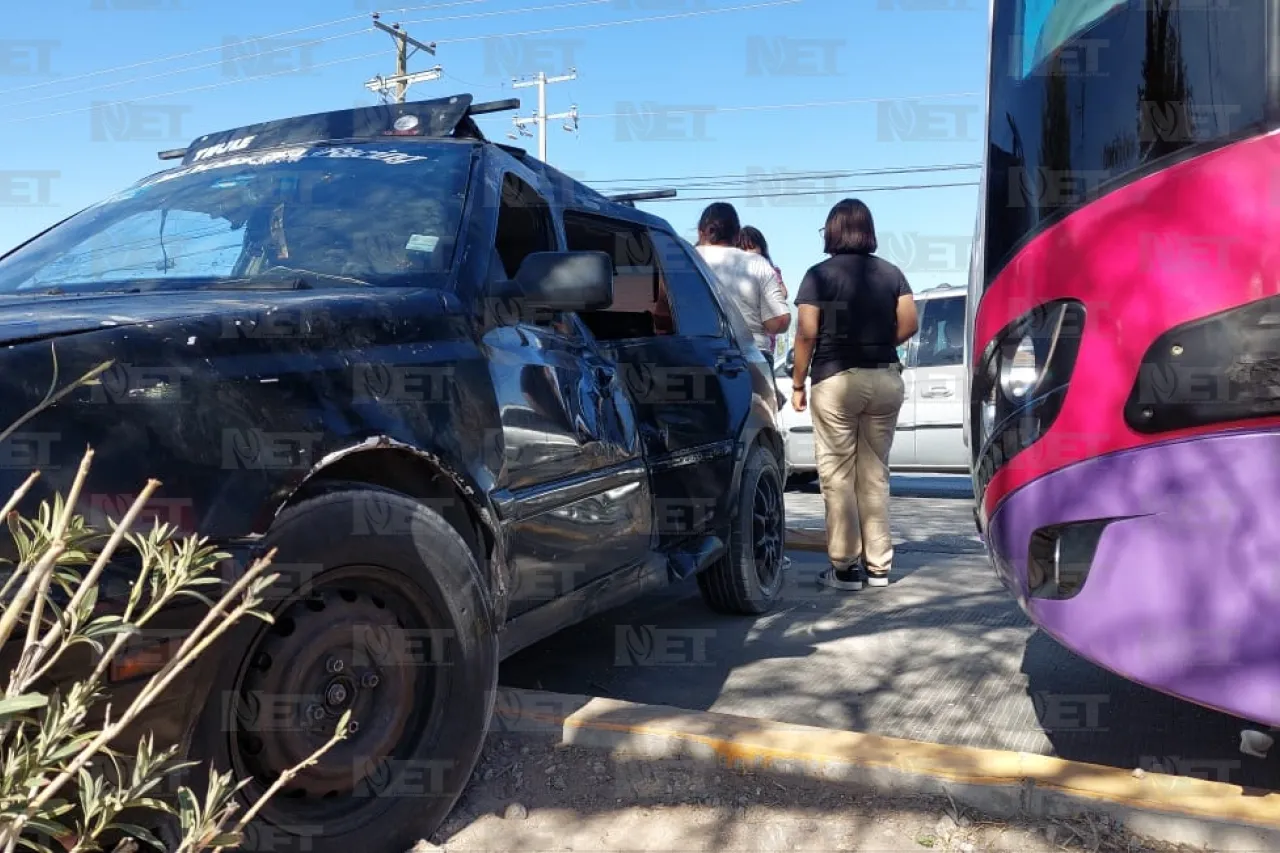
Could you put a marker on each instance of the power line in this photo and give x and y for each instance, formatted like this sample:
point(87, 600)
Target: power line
point(203, 50)
point(360, 32)
point(800, 175)
point(827, 191)
point(165, 74)
point(797, 106)
point(373, 55)
point(602, 24)
point(546, 8)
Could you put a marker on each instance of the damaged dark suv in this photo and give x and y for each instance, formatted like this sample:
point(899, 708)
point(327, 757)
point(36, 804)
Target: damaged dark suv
point(469, 400)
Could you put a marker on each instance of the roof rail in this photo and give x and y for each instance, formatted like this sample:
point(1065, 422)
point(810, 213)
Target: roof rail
point(630, 199)
point(494, 106)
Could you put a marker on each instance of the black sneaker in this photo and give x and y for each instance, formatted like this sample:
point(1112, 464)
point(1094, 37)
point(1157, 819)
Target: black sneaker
point(877, 578)
point(848, 580)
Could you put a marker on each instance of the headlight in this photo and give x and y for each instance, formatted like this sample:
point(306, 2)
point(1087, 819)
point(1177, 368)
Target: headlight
point(988, 419)
point(1019, 372)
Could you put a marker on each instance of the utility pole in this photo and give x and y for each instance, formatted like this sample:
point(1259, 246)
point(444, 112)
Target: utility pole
point(540, 118)
point(402, 79)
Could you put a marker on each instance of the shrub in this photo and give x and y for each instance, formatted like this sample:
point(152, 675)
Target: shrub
point(63, 778)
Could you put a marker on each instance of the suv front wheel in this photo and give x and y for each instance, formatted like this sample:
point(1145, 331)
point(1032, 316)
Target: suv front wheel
point(388, 623)
point(748, 579)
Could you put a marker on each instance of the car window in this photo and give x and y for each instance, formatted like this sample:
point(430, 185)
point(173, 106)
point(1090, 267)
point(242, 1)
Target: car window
point(941, 335)
point(333, 216)
point(696, 313)
point(525, 226)
point(641, 307)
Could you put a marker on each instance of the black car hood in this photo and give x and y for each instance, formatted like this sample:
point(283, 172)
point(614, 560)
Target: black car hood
point(27, 318)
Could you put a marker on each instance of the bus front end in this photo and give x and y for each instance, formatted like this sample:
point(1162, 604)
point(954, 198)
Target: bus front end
point(1123, 338)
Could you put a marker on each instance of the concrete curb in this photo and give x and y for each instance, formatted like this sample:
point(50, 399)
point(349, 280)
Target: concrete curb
point(1172, 809)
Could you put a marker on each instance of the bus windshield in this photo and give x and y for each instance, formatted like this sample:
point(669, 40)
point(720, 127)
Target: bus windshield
point(1048, 24)
point(315, 216)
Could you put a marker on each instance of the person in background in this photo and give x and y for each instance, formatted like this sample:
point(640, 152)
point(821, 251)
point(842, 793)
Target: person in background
point(748, 279)
point(751, 240)
point(854, 310)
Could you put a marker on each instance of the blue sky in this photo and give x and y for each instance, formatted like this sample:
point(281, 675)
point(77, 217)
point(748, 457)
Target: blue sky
point(665, 89)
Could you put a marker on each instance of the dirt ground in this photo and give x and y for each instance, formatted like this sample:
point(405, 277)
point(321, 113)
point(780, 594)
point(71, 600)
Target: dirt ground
point(531, 795)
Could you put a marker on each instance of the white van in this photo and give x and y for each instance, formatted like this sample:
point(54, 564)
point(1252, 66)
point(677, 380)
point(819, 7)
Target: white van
point(930, 434)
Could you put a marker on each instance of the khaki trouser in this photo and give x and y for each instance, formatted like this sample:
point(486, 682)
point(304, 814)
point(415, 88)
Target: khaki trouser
point(854, 414)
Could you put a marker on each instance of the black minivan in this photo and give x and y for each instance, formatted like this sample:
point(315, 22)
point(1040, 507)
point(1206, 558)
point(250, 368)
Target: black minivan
point(470, 400)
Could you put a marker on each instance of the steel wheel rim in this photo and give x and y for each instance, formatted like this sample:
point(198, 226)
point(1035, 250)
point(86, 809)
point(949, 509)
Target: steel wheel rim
point(396, 712)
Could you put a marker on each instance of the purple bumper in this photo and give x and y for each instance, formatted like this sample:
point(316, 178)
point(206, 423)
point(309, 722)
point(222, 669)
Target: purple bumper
point(1183, 594)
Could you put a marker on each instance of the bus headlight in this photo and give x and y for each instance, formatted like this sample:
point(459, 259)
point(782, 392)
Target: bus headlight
point(988, 419)
point(1016, 394)
point(1019, 371)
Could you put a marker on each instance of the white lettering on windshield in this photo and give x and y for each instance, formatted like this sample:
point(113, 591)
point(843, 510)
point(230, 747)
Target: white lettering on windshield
point(223, 148)
point(291, 155)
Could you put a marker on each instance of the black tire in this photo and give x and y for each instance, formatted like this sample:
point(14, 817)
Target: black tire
point(802, 478)
point(749, 578)
point(396, 595)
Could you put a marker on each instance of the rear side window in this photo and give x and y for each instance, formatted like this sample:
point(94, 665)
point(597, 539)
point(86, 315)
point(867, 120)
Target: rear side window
point(695, 308)
point(641, 305)
point(941, 336)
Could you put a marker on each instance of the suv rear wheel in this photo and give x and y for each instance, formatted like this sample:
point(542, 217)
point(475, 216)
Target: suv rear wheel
point(390, 625)
point(748, 579)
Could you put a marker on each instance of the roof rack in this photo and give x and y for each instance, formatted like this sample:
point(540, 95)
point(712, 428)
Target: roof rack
point(630, 199)
point(450, 117)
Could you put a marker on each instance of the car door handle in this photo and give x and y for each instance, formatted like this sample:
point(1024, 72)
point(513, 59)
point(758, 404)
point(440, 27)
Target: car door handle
point(730, 365)
point(937, 391)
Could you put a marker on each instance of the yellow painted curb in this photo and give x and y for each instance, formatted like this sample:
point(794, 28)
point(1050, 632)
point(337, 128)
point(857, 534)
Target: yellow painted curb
point(744, 740)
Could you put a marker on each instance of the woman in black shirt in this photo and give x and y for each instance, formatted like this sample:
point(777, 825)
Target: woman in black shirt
point(854, 310)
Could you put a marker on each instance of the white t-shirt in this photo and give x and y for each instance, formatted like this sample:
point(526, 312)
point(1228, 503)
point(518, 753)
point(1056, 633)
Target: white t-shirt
point(751, 282)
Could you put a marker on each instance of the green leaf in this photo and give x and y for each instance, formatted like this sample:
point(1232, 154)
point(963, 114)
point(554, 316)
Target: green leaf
point(22, 702)
point(139, 833)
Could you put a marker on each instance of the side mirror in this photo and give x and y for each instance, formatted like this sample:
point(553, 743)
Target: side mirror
point(791, 361)
point(566, 281)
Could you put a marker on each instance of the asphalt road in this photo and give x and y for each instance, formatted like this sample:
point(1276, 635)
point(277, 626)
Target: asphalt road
point(942, 655)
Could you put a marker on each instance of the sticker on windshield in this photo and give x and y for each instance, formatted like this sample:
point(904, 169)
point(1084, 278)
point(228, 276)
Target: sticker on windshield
point(422, 243)
point(393, 158)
